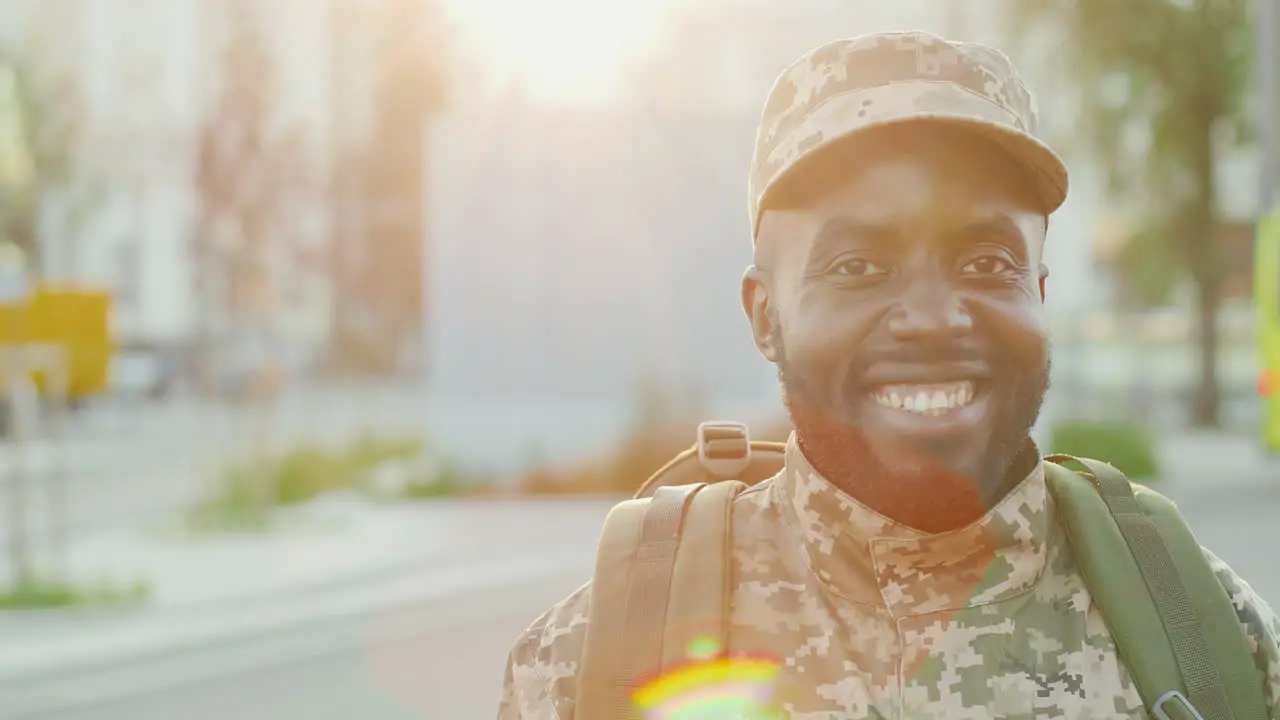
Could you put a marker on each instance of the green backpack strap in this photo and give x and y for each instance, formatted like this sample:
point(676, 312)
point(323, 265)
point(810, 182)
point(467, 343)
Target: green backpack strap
point(661, 580)
point(1173, 623)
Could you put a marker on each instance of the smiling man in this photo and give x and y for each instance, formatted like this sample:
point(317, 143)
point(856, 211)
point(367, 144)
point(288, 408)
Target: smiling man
point(898, 288)
point(909, 559)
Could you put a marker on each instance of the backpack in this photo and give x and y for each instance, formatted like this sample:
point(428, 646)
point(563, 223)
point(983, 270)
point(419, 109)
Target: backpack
point(663, 564)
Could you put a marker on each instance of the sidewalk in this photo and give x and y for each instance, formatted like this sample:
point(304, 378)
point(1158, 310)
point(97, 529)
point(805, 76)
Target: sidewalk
point(335, 536)
point(345, 557)
point(1214, 460)
point(132, 657)
point(334, 559)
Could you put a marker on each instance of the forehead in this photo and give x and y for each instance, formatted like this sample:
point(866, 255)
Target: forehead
point(919, 183)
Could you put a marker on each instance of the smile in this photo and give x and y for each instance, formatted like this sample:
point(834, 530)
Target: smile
point(925, 398)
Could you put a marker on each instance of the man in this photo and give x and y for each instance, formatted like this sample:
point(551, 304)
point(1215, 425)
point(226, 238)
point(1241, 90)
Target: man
point(908, 561)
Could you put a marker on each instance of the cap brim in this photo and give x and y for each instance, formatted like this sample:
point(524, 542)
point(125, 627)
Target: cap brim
point(837, 124)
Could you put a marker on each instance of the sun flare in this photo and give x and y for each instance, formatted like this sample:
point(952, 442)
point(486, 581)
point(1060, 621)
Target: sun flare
point(562, 50)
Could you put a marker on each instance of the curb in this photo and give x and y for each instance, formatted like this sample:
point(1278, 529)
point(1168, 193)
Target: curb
point(164, 663)
point(345, 580)
point(444, 554)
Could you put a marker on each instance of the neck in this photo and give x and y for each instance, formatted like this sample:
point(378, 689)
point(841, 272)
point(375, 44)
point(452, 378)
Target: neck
point(932, 500)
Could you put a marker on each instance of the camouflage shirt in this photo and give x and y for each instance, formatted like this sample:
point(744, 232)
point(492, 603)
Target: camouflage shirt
point(871, 619)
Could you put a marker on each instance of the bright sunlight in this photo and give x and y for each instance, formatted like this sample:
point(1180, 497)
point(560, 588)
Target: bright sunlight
point(569, 51)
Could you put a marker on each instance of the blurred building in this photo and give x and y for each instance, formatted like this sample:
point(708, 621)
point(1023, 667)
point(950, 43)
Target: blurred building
point(151, 73)
point(148, 73)
point(570, 249)
point(614, 239)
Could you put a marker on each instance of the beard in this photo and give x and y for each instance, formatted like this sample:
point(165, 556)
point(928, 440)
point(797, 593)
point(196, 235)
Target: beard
point(915, 482)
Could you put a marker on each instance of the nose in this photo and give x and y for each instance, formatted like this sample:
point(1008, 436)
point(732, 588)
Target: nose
point(929, 309)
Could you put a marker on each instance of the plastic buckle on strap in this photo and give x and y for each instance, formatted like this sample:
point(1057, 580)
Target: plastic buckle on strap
point(1183, 710)
point(724, 448)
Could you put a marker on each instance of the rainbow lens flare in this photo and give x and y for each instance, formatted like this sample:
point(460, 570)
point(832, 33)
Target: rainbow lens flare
point(711, 686)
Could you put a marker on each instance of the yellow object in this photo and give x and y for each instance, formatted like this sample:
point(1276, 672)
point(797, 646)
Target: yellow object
point(78, 319)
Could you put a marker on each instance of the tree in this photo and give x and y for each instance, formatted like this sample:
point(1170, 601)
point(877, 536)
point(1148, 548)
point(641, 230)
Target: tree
point(1161, 85)
point(42, 117)
point(250, 176)
point(379, 258)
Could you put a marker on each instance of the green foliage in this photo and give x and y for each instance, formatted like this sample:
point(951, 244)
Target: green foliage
point(36, 592)
point(42, 118)
point(1160, 85)
point(446, 481)
point(1150, 279)
point(1173, 67)
point(1127, 446)
point(302, 474)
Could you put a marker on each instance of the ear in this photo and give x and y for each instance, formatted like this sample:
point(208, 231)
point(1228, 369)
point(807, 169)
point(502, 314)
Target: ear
point(756, 305)
point(1044, 275)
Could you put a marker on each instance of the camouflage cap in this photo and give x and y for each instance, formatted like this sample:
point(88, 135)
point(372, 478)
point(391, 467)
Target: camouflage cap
point(852, 85)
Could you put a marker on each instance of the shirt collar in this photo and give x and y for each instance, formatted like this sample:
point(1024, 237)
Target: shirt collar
point(866, 557)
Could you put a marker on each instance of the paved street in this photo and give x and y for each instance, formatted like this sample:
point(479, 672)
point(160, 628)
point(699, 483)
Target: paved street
point(443, 659)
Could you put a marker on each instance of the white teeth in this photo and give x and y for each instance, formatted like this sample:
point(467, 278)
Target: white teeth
point(932, 399)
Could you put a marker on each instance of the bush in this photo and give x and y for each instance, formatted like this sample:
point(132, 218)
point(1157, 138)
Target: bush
point(300, 475)
point(369, 451)
point(35, 592)
point(1127, 446)
point(445, 480)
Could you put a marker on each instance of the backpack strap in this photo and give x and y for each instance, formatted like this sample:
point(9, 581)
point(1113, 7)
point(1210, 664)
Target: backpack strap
point(661, 580)
point(1173, 623)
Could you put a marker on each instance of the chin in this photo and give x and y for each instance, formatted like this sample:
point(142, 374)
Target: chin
point(915, 457)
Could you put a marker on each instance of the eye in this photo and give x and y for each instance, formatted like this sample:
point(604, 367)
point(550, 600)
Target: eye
point(986, 265)
point(858, 267)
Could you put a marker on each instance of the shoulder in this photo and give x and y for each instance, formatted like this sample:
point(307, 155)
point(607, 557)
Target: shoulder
point(542, 669)
point(1260, 623)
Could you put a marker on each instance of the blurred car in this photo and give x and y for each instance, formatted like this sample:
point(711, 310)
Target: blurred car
point(143, 371)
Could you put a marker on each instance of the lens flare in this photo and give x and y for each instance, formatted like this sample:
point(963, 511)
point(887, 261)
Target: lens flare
point(711, 685)
point(1269, 383)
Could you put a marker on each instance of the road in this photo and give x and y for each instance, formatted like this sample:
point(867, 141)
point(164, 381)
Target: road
point(444, 660)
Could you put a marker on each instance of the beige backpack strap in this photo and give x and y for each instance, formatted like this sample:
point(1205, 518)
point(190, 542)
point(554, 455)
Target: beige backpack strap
point(644, 586)
point(698, 607)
